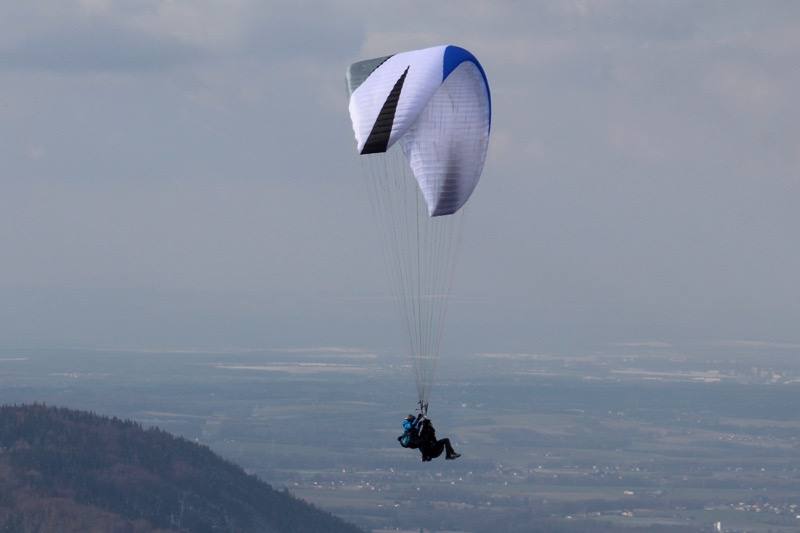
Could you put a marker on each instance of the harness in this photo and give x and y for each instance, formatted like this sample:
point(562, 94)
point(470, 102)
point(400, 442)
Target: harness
point(409, 438)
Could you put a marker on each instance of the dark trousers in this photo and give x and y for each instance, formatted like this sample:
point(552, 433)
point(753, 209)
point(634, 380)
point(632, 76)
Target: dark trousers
point(435, 449)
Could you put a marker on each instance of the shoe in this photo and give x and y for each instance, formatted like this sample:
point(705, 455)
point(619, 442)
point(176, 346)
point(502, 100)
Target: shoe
point(453, 456)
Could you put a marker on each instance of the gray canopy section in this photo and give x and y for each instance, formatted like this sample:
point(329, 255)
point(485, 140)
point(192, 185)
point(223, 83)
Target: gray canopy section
point(360, 71)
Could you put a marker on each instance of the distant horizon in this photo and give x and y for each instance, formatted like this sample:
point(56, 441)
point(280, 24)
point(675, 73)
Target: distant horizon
point(640, 435)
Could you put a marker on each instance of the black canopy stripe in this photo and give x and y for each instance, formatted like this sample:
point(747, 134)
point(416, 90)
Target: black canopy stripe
point(378, 140)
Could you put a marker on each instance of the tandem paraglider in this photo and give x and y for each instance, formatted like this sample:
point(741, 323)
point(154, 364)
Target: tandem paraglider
point(418, 433)
point(421, 121)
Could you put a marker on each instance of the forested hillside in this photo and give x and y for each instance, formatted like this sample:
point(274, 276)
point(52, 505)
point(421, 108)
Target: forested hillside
point(73, 471)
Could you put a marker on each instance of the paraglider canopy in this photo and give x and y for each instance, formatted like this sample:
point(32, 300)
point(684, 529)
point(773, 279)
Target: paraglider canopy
point(436, 102)
point(421, 121)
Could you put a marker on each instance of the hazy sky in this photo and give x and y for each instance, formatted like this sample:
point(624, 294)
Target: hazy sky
point(183, 173)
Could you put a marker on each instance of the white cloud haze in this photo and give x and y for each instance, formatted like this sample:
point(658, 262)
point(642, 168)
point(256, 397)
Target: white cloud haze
point(184, 172)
